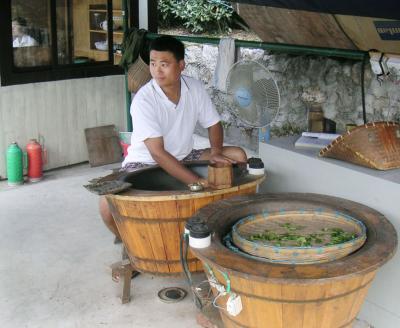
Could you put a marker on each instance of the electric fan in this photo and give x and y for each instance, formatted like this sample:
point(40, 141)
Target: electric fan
point(254, 93)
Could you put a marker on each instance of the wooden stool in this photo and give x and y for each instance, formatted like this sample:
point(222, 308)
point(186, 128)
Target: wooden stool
point(123, 269)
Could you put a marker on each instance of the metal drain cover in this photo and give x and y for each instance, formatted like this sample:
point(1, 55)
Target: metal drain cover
point(172, 294)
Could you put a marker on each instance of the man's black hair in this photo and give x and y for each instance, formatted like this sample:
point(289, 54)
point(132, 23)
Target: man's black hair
point(169, 43)
point(21, 21)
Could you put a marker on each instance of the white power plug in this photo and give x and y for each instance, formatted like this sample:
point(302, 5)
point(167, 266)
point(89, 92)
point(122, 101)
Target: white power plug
point(220, 288)
point(214, 283)
point(234, 305)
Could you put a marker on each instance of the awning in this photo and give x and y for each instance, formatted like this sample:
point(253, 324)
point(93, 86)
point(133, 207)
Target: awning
point(367, 8)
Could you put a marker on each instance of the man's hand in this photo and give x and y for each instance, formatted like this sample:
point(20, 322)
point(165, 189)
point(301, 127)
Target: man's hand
point(203, 182)
point(217, 157)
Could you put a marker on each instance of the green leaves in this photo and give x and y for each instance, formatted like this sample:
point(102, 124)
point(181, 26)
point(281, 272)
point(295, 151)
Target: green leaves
point(196, 15)
point(326, 236)
point(339, 236)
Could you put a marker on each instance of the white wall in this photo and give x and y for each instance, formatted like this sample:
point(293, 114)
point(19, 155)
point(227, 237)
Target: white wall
point(60, 111)
point(288, 170)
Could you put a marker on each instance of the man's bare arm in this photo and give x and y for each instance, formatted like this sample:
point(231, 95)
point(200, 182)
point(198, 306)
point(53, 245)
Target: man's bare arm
point(216, 136)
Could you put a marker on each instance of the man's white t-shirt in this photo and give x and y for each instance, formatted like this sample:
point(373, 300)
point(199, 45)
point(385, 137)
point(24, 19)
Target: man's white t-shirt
point(24, 41)
point(154, 115)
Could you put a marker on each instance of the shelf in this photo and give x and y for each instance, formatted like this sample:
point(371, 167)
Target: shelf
point(105, 10)
point(105, 32)
point(94, 15)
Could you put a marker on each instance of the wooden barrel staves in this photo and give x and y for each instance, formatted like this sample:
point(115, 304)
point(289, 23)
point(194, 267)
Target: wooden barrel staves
point(151, 216)
point(276, 295)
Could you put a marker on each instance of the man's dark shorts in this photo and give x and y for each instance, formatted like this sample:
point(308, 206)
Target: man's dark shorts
point(194, 155)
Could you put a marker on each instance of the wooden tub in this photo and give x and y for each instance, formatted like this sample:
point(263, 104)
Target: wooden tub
point(326, 295)
point(151, 216)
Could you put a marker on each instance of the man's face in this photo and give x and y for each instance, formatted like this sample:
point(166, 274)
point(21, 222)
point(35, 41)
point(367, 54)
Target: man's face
point(165, 69)
point(17, 29)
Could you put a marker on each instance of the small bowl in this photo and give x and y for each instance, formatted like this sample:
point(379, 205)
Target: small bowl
point(101, 45)
point(195, 187)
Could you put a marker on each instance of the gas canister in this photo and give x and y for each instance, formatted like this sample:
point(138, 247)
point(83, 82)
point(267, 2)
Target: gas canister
point(15, 166)
point(36, 159)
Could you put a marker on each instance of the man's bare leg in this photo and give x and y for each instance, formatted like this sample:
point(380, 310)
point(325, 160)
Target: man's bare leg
point(232, 152)
point(107, 216)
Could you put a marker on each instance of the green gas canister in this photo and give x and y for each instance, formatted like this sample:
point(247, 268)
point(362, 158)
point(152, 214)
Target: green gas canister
point(15, 165)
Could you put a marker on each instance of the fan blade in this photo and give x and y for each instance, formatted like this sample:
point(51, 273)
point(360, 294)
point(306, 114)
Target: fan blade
point(254, 94)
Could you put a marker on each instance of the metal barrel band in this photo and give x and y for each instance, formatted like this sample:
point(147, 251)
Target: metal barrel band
point(153, 221)
point(161, 261)
point(317, 300)
point(240, 325)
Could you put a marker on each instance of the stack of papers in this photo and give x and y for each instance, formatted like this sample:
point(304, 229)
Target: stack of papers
point(315, 140)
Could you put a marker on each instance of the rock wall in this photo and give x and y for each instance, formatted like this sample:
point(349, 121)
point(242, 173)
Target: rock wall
point(334, 85)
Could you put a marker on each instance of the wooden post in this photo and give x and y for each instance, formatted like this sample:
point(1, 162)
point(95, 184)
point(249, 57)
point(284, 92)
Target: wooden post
point(220, 175)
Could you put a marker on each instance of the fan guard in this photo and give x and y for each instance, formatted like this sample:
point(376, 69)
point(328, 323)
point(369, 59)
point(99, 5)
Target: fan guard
point(254, 93)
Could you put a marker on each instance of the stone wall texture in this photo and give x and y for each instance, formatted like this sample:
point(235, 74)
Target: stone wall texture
point(332, 84)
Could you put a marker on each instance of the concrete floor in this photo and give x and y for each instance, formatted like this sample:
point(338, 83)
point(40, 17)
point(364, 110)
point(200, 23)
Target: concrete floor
point(55, 262)
point(55, 255)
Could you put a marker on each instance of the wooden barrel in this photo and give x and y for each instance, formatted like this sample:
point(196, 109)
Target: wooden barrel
point(151, 216)
point(326, 295)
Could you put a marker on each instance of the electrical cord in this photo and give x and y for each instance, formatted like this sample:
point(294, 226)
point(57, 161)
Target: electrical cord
point(184, 248)
point(206, 297)
point(214, 303)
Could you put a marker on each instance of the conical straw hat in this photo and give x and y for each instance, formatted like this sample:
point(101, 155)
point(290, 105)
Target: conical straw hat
point(374, 145)
point(138, 75)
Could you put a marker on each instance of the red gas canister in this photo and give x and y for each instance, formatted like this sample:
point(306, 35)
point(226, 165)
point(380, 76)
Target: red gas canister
point(35, 160)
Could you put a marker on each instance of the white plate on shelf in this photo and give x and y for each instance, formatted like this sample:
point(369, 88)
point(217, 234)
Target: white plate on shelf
point(101, 45)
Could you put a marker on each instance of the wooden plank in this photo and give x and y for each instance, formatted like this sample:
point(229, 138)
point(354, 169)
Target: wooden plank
point(170, 234)
point(156, 238)
point(135, 239)
point(103, 145)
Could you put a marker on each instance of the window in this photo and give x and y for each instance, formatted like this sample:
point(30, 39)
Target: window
point(51, 40)
point(30, 31)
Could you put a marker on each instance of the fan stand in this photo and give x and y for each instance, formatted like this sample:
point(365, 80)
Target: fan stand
point(264, 134)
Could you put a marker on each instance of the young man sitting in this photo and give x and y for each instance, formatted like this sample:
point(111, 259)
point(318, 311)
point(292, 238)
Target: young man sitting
point(164, 115)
